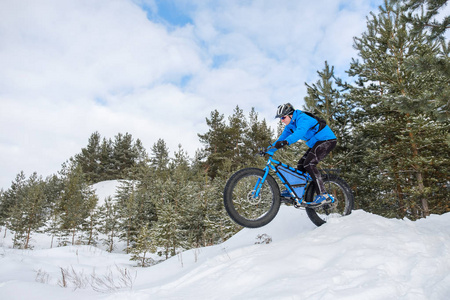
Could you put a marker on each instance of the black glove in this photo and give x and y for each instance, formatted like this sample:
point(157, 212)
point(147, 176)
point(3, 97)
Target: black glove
point(280, 144)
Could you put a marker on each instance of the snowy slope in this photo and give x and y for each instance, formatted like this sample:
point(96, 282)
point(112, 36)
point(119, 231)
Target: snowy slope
point(361, 256)
point(105, 189)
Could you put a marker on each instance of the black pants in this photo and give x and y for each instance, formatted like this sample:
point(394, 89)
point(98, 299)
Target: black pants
point(310, 160)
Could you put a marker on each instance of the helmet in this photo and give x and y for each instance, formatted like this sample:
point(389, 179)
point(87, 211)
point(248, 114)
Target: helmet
point(284, 110)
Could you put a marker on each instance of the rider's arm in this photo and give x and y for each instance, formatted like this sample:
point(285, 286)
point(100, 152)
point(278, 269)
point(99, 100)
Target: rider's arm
point(286, 132)
point(302, 123)
point(298, 129)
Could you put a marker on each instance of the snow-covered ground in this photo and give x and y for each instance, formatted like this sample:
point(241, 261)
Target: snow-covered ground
point(361, 256)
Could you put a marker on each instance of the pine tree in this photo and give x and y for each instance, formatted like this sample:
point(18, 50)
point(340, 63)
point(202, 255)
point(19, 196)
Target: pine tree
point(109, 226)
point(389, 114)
point(76, 202)
point(434, 70)
point(53, 189)
point(218, 225)
point(426, 20)
point(28, 211)
point(11, 199)
point(235, 149)
point(124, 156)
point(258, 135)
point(89, 158)
point(146, 210)
point(107, 167)
point(180, 161)
point(127, 211)
point(90, 224)
point(105, 160)
point(142, 248)
point(135, 208)
point(326, 101)
point(165, 232)
point(322, 96)
point(231, 146)
point(184, 194)
point(159, 158)
point(142, 161)
point(216, 143)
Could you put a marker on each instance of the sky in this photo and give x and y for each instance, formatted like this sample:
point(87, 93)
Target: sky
point(155, 69)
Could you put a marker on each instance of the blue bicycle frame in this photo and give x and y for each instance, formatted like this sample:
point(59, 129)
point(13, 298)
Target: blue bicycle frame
point(271, 165)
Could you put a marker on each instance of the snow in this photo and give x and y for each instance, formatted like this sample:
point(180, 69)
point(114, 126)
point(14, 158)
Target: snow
point(361, 256)
point(105, 189)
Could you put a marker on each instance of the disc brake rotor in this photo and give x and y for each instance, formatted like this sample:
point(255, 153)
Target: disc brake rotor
point(252, 199)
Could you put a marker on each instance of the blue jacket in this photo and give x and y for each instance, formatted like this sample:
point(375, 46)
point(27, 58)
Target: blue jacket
point(305, 128)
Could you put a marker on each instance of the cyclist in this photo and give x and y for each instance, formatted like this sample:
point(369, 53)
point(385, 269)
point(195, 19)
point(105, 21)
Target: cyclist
point(319, 138)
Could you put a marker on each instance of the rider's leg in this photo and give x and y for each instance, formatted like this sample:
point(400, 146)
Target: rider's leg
point(310, 160)
point(300, 164)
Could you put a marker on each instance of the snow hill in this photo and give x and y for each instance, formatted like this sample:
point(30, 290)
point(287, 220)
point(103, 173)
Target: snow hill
point(361, 256)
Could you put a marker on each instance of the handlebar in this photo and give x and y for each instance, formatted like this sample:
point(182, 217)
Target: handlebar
point(264, 151)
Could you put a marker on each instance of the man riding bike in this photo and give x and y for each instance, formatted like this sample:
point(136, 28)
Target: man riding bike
point(319, 138)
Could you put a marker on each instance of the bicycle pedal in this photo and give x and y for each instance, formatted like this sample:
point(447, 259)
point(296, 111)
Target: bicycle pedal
point(300, 204)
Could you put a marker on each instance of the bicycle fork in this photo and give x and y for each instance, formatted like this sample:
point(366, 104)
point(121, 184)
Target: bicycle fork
point(259, 183)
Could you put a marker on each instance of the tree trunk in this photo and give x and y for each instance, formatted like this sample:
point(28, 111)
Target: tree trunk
point(28, 238)
point(73, 237)
point(419, 177)
point(399, 191)
point(111, 244)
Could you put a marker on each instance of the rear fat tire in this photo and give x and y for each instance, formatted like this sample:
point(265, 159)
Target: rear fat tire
point(242, 207)
point(343, 195)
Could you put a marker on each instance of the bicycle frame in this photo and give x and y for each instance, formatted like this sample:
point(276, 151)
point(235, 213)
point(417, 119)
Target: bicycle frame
point(271, 165)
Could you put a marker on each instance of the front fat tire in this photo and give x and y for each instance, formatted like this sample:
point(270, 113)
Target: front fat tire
point(245, 210)
point(343, 206)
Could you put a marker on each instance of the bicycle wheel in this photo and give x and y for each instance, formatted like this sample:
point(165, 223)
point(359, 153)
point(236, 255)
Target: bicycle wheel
point(240, 203)
point(342, 195)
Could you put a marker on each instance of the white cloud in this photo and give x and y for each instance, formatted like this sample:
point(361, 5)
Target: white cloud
point(70, 68)
point(72, 49)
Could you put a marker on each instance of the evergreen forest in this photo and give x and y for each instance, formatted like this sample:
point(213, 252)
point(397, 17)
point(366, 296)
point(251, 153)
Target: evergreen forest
point(391, 118)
